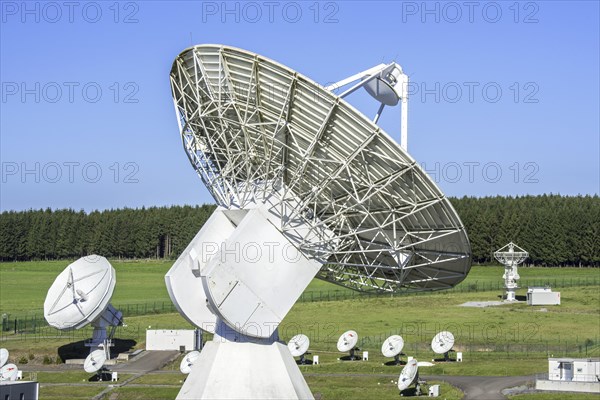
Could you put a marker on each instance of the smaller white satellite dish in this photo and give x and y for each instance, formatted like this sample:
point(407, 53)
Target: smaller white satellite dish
point(94, 361)
point(392, 347)
point(188, 362)
point(409, 374)
point(347, 342)
point(3, 357)
point(298, 346)
point(442, 343)
point(9, 373)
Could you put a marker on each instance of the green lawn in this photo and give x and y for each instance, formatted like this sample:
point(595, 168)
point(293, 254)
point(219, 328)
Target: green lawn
point(23, 285)
point(68, 392)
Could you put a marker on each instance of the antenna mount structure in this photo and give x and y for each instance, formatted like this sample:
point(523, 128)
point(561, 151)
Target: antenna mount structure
point(511, 256)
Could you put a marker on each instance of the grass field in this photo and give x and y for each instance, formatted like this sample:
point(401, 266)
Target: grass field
point(23, 285)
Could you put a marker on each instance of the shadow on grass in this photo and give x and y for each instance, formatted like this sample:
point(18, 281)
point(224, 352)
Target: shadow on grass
point(78, 350)
point(394, 363)
point(101, 377)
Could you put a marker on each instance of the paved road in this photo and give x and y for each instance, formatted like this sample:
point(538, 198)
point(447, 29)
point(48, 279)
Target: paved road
point(146, 362)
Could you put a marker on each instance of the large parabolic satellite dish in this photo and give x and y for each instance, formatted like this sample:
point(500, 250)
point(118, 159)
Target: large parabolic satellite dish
point(292, 164)
point(252, 127)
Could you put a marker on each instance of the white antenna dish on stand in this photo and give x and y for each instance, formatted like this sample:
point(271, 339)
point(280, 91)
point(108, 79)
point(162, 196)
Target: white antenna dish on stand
point(392, 347)
point(3, 357)
point(511, 256)
point(188, 362)
point(298, 346)
point(80, 295)
point(94, 361)
point(297, 179)
point(9, 372)
point(442, 344)
point(409, 375)
point(347, 343)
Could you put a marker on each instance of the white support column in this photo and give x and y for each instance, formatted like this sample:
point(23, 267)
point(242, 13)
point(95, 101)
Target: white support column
point(404, 115)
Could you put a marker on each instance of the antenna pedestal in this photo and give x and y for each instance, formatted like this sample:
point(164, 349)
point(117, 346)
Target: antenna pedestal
point(245, 370)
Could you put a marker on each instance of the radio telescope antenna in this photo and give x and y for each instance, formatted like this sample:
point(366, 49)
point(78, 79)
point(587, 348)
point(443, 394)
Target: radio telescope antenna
point(392, 347)
point(306, 187)
point(298, 346)
point(347, 343)
point(511, 256)
point(3, 357)
point(188, 362)
point(80, 295)
point(409, 375)
point(442, 344)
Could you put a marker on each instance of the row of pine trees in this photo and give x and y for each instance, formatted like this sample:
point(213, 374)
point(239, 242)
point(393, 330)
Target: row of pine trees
point(555, 230)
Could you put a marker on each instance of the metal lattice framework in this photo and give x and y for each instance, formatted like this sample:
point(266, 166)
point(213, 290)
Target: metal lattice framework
point(251, 126)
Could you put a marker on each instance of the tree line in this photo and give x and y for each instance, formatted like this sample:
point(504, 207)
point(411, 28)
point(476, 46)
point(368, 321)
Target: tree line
point(555, 230)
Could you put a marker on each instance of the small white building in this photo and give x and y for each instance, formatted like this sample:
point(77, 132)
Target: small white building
point(542, 296)
point(173, 339)
point(572, 374)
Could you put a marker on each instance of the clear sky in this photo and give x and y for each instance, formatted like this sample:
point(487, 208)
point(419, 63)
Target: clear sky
point(504, 95)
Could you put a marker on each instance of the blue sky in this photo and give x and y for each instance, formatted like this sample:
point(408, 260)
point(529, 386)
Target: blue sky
point(504, 95)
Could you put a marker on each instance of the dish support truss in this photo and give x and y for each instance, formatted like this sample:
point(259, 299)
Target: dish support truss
point(250, 126)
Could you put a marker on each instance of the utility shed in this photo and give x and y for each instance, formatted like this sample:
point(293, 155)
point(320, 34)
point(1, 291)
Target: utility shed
point(542, 296)
point(572, 374)
point(173, 339)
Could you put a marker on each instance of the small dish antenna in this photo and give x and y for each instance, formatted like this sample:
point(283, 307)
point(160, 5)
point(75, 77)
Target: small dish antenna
point(347, 342)
point(3, 357)
point(409, 375)
point(94, 361)
point(9, 372)
point(442, 344)
point(298, 346)
point(392, 347)
point(188, 362)
point(80, 295)
point(511, 256)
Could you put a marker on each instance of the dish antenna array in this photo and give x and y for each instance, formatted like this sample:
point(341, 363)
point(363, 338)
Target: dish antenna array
point(442, 343)
point(511, 256)
point(80, 295)
point(306, 187)
point(392, 347)
point(298, 346)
